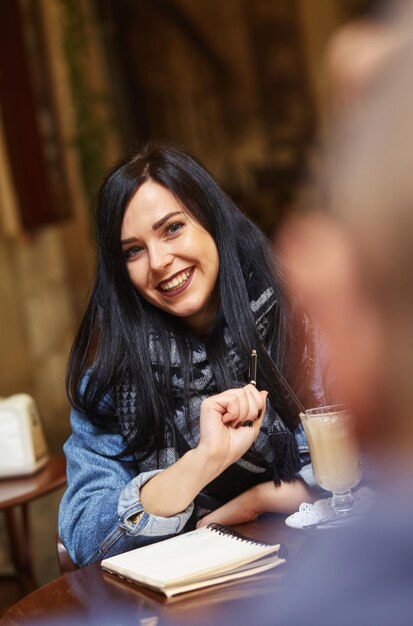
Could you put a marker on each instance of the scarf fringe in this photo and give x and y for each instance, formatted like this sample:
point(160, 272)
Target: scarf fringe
point(287, 463)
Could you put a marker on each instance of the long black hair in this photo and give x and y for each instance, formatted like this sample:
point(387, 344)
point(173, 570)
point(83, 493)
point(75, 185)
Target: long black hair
point(113, 342)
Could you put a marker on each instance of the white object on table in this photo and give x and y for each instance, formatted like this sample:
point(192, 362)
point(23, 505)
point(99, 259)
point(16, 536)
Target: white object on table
point(23, 447)
point(322, 510)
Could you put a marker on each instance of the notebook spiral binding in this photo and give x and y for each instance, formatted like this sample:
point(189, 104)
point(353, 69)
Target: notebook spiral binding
point(224, 530)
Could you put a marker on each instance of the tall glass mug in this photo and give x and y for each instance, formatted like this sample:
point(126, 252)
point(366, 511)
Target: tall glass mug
point(334, 452)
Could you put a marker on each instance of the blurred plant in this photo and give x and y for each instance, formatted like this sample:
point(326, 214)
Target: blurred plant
point(90, 132)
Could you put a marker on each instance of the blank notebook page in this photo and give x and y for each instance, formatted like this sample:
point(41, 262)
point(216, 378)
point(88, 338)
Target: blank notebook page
point(187, 554)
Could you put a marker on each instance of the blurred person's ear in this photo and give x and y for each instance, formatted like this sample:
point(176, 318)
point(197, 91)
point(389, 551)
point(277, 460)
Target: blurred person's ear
point(323, 272)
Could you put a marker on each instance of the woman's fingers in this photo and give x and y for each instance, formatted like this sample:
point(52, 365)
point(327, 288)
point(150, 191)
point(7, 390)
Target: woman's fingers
point(258, 421)
point(246, 407)
point(237, 406)
point(219, 413)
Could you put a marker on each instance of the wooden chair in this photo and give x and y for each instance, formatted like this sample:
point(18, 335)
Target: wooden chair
point(66, 565)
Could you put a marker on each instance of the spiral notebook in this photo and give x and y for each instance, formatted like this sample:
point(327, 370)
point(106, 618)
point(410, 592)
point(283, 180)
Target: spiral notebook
point(207, 556)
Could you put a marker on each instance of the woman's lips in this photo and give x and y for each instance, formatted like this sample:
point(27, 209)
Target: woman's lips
point(176, 291)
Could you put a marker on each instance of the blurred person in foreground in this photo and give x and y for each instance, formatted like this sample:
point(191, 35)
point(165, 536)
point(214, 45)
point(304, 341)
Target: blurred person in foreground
point(353, 268)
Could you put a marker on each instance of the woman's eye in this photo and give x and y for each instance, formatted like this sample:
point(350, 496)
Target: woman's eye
point(131, 253)
point(174, 228)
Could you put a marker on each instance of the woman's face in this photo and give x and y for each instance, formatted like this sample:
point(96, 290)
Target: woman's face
point(171, 259)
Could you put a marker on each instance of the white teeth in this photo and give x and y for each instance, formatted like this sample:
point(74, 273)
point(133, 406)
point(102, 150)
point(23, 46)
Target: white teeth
point(175, 282)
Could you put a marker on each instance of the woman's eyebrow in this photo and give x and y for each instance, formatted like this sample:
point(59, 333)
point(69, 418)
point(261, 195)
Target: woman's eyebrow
point(130, 240)
point(162, 221)
point(155, 226)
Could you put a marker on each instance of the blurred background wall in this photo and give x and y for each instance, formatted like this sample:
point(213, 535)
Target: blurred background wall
point(237, 82)
point(82, 81)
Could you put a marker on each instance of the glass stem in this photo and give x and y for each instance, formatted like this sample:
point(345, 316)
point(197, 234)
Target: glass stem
point(342, 502)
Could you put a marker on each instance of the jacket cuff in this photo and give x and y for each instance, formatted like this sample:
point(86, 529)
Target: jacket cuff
point(134, 519)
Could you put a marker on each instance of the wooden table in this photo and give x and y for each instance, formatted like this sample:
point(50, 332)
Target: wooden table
point(94, 596)
point(15, 496)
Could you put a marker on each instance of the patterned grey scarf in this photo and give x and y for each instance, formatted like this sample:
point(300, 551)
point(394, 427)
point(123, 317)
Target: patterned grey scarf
point(274, 453)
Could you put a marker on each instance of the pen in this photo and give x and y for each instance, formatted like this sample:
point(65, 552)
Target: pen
point(252, 375)
point(253, 368)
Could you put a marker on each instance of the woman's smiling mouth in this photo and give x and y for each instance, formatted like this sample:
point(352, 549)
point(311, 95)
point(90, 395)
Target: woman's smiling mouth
point(177, 284)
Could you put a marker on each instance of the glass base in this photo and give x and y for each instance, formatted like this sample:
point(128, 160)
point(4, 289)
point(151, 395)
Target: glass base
point(342, 502)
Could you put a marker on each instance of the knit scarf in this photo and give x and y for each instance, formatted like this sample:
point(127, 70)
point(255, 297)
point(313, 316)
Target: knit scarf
point(274, 452)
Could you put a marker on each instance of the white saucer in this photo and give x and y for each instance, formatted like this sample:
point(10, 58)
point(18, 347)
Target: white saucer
point(322, 510)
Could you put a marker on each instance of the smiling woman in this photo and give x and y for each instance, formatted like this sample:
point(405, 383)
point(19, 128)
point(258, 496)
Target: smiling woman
point(185, 288)
point(172, 261)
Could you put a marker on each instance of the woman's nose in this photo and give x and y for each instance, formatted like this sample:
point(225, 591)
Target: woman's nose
point(159, 259)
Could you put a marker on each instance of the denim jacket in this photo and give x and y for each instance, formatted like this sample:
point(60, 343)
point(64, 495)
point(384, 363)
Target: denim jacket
point(98, 509)
point(103, 496)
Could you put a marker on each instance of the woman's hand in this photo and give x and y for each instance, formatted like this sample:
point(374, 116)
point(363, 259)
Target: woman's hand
point(221, 443)
point(223, 436)
point(263, 498)
point(245, 508)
